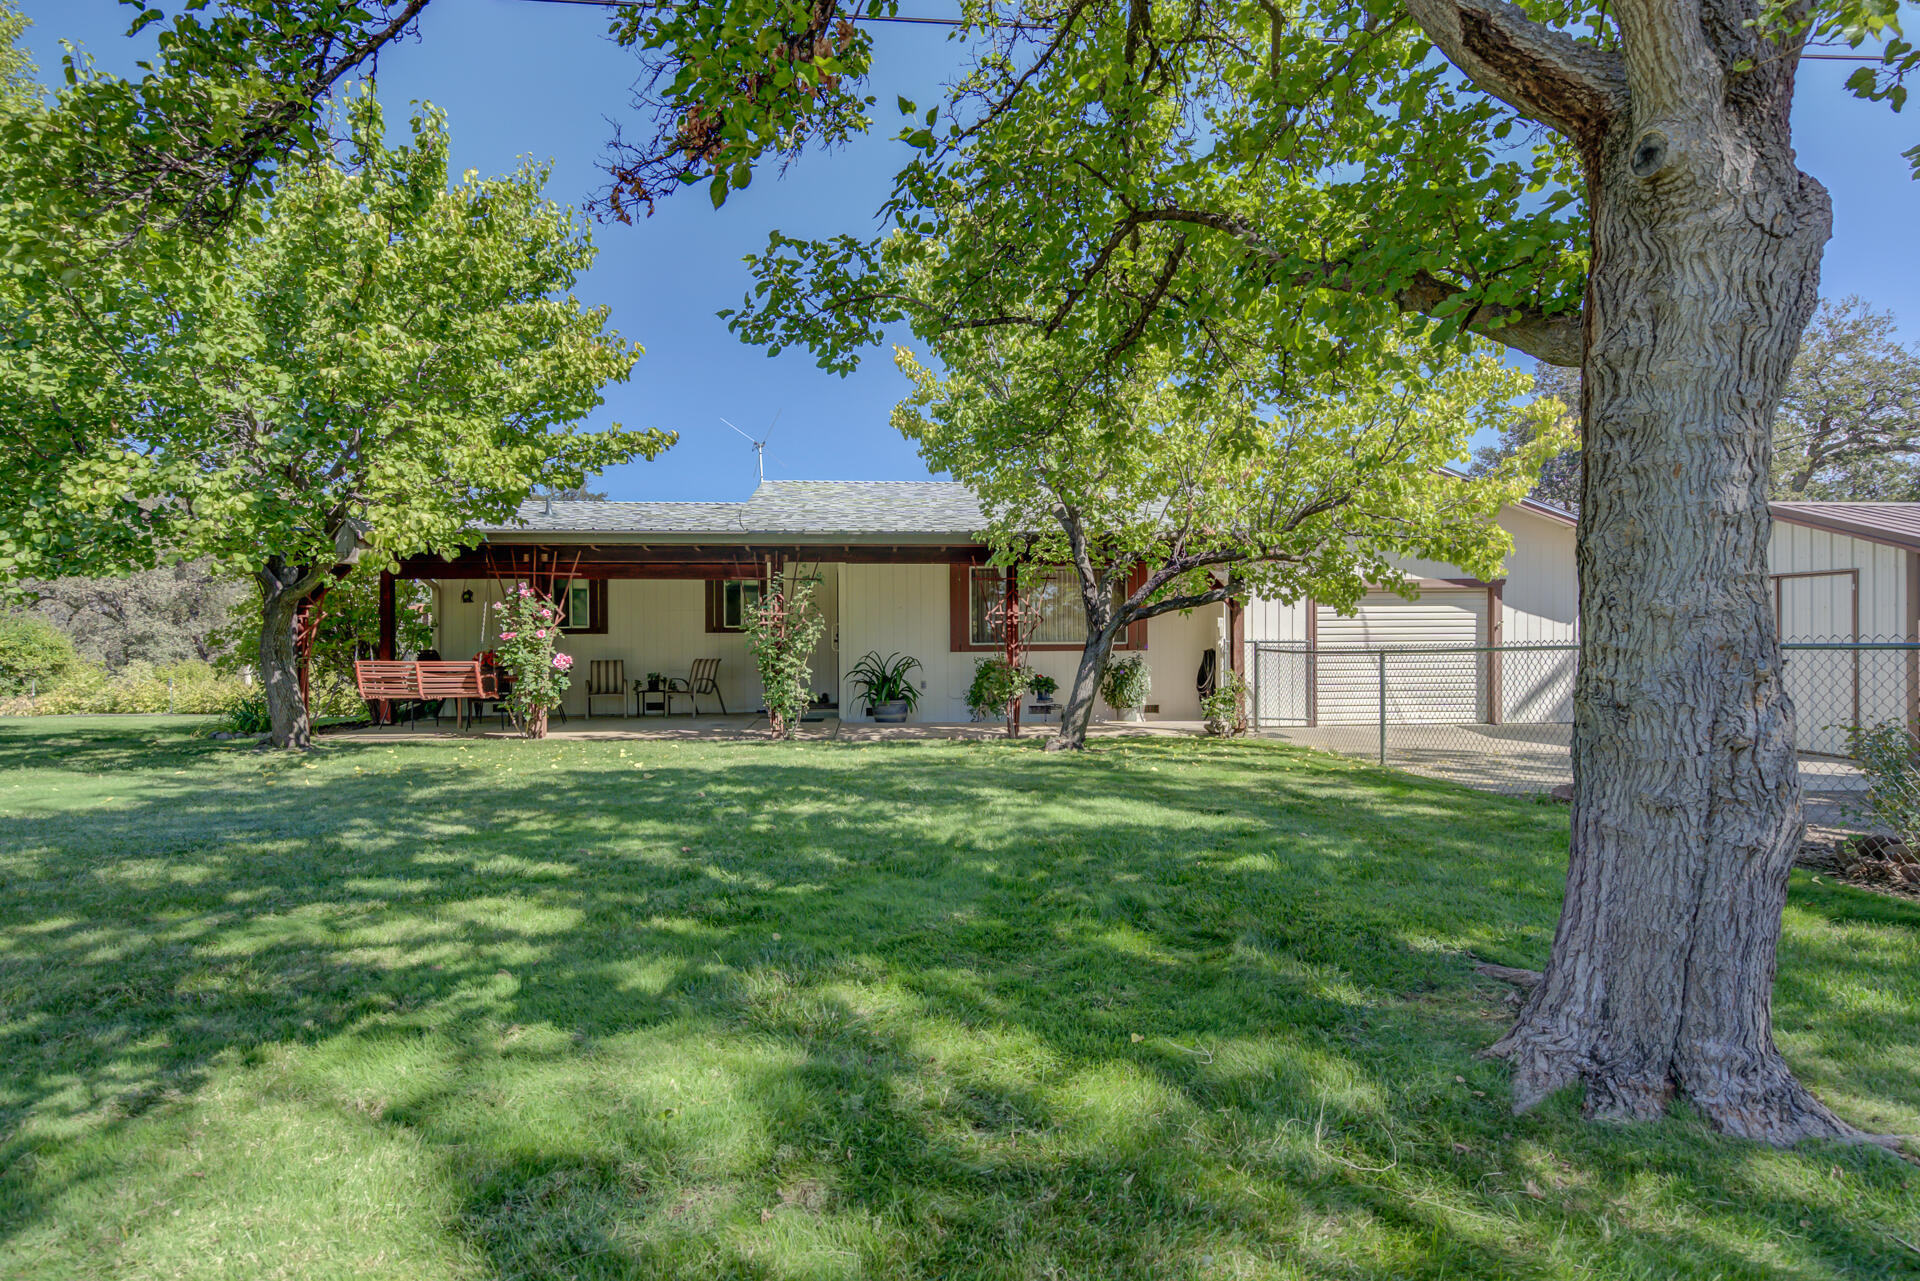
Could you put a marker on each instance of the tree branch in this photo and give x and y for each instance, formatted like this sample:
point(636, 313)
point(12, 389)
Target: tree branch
point(1544, 74)
point(1554, 338)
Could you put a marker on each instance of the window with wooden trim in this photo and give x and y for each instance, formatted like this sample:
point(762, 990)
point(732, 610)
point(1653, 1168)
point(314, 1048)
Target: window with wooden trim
point(728, 603)
point(1052, 615)
point(1050, 609)
point(583, 605)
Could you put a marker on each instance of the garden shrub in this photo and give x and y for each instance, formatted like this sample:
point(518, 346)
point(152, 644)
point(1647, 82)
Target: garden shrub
point(137, 688)
point(1889, 756)
point(529, 624)
point(782, 630)
point(34, 654)
point(997, 684)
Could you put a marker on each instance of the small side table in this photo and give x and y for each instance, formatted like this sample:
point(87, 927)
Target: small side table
point(649, 700)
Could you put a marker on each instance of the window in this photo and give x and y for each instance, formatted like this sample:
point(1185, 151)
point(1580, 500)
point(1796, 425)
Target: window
point(1052, 615)
point(1050, 608)
point(583, 605)
point(728, 601)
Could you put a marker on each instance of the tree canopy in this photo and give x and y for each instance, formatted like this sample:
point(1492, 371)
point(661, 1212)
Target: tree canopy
point(1147, 169)
point(1612, 186)
point(384, 361)
point(1164, 493)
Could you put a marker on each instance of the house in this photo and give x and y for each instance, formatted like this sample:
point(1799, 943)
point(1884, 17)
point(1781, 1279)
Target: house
point(899, 565)
point(901, 569)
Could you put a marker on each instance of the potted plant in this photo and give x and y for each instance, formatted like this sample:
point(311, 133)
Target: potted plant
point(884, 686)
point(1043, 688)
point(1126, 686)
point(1222, 712)
point(654, 682)
point(996, 690)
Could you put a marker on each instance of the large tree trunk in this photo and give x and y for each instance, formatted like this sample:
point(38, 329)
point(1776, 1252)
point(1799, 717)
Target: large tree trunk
point(281, 591)
point(1077, 713)
point(1686, 812)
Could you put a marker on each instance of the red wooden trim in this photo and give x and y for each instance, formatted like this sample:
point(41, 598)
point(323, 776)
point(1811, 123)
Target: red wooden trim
point(957, 586)
point(696, 560)
point(1136, 632)
point(717, 602)
point(388, 623)
point(596, 608)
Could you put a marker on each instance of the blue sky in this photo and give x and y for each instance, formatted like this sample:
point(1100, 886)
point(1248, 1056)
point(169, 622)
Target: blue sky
point(519, 78)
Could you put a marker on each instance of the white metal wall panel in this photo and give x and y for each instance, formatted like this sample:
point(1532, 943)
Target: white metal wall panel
point(1818, 602)
point(1421, 688)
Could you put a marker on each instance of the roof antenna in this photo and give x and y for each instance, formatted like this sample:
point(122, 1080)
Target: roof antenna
point(759, 446)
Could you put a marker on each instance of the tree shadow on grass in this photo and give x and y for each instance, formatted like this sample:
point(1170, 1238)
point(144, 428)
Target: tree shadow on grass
point(755, 1011)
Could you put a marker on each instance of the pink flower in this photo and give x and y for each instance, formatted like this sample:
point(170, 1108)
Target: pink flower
point(563, 661)
point(546, 613)
point(508, 635)
point(499, 604)
point(540, 633)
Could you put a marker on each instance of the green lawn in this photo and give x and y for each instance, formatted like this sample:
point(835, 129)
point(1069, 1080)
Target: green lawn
point(1176, 1009)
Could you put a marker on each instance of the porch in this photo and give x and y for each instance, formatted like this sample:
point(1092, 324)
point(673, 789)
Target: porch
point(657, 609)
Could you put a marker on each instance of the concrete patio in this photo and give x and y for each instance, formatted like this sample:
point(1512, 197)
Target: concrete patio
point(745, 727)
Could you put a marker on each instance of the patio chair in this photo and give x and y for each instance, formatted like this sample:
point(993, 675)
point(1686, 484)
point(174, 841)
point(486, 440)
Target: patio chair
point(607, 678)
point(703, 679)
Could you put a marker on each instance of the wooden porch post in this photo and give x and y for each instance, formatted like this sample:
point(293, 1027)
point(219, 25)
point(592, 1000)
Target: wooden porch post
point(306, 629)
point(1013, 635)
point(386, 616)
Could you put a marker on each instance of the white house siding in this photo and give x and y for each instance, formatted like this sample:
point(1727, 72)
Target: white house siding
point(1820, 608)
point(906, 609)
point(653, 625)
point(1175, 644)
point(1820, 580)
point(902, 609)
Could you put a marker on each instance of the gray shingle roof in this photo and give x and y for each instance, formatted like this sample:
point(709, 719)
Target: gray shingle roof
point(864, 507)
point(562, 517)
point(789, 507)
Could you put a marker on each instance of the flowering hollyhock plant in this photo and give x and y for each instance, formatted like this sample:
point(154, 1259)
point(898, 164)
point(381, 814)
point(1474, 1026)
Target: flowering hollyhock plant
point(528, 633)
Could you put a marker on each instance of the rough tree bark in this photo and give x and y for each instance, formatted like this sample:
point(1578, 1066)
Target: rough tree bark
point(282, 588)
point(1686, 813)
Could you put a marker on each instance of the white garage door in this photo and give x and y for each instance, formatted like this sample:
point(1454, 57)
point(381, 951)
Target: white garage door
point(1421, 688)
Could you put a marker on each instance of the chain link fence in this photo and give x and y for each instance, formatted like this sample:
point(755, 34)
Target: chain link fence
point(1500, 717)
